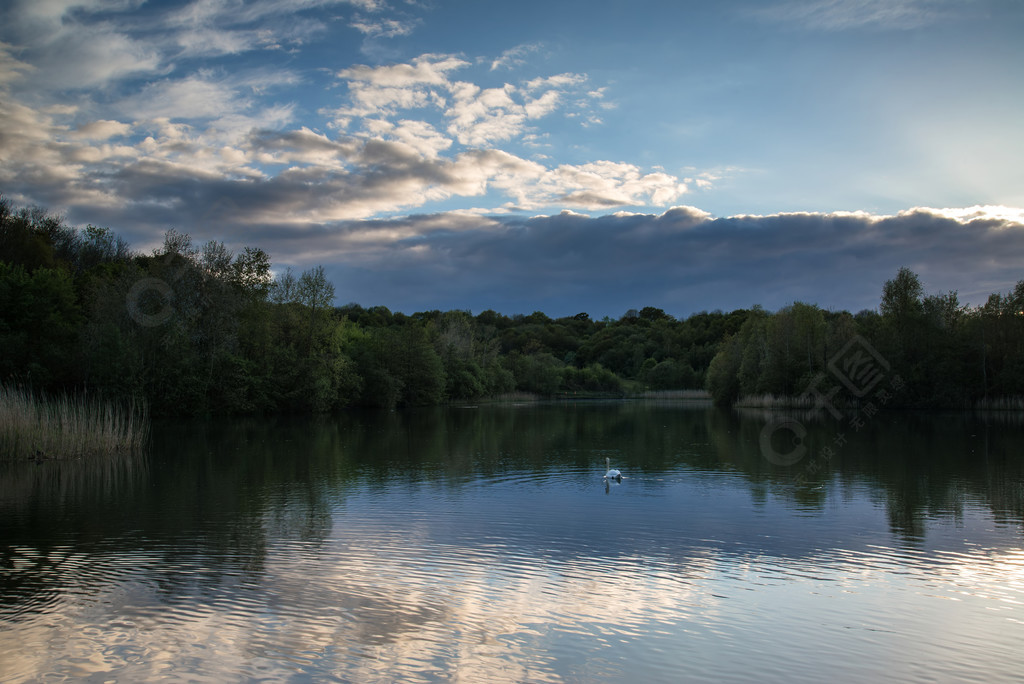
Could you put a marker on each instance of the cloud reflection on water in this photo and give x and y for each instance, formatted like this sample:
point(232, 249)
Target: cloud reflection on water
point(486, 549)
point(362, 606)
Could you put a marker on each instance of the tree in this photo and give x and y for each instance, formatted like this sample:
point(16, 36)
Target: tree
point(315, 293)
point(907, 342)
point(901, 298)
point(216, 259)
point(284, 288)
point(39, 322)
point(722, 380)
point(650, 313)
point(21, 242)
point(671, 374)
point(177, 244)
point(943, 311)
point(97, 246)
point(455, 341)
point(251, 274)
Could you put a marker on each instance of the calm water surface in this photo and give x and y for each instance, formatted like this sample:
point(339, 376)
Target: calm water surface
point(482, 544)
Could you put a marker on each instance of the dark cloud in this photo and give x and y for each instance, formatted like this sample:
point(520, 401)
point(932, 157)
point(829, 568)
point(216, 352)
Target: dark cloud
point(681, 261)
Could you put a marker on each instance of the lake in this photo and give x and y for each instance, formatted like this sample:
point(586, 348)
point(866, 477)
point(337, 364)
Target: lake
point(483, 544)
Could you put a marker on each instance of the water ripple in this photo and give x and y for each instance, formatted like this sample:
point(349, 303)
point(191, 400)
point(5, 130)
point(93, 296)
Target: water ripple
point(516, 575)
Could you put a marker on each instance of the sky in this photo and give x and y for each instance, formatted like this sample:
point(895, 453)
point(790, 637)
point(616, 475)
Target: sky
point(560, 156)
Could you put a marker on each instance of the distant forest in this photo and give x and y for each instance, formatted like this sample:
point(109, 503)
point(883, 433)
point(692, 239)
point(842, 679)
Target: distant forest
point(201, 330)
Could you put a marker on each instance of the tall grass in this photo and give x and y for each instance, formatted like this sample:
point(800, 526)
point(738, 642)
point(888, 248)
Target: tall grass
point(67, 427)
point(1012, 403)
point(510, 397)
point(775, 401)
point(689, 394)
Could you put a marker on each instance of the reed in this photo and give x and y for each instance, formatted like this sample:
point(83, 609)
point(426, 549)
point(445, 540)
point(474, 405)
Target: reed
point(512, 397)
point(68, 426)
point(688, 395)
point(1001, 404)
point(774, 401)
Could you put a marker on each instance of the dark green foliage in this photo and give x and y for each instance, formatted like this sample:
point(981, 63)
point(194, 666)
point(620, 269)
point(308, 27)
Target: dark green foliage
point(944, 354)
point(540, 373)
point(671, 374)
point(398, 365)
point(723, 376)
point(591, 379)
point(39, 321)
point(203, 330)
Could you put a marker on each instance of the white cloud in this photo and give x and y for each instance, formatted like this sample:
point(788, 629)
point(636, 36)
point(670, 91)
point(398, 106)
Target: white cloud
point(195, 97)
point(376, 100)
point(225, 108)
point(11, 68)
point(68, 51)
point(515, 56)
point(966, 215)
point(837, 15)
point(206, 28)
point(51, 12)
point(604, 184)
point(48, 163)
point(236, 12)
point(426, 69)
point(102, 130)
point(205, 41)
point(303, 147)
point(214, 131)
point(186, 142)
point(383, 28)
point(423, 138)
point(543, 105)
point(368, 5)
point(24, 130)
point(557, 81)
point(85, 57)
point(478, 117)
point(383, 90)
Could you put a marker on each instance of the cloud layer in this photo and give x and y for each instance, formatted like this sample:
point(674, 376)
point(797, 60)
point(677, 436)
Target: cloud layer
point(682, 260)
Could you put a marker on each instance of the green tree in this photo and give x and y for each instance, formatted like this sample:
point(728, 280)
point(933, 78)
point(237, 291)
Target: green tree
point(671, 374)
point(901, 297)
point(250, 273)
point(314, 292)
point(284, 288)
point(723, 376)
point(39, 321)
point(539, 373)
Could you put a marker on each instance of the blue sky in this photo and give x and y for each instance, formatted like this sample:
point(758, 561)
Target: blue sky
point(554, 156)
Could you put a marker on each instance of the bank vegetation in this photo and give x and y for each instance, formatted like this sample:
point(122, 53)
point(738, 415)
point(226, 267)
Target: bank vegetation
point(201, 330)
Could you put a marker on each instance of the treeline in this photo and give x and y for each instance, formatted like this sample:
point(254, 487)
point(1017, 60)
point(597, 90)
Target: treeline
point(201, 330)
point(937, 352)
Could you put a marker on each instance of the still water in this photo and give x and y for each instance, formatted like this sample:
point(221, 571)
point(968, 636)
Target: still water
point(482, 544)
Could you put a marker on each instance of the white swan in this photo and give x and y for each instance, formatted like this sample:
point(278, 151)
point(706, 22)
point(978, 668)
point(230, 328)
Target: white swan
point(612, 474)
